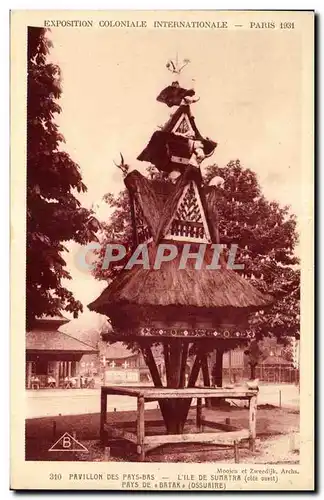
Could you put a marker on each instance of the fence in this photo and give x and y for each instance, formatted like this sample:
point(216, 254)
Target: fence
point(270, 374)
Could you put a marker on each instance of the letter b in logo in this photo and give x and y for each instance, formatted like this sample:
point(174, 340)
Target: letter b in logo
point(66, 442)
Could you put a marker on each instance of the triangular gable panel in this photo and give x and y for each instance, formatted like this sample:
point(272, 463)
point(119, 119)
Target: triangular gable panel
point(189, 222)
point(183, 126)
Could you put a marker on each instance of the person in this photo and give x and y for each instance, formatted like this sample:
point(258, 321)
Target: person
point(35, 382)
point(67, 383)
point(51, 382)
point(73, 381)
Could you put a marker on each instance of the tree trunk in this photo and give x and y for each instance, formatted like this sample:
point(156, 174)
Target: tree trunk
point(252, 370)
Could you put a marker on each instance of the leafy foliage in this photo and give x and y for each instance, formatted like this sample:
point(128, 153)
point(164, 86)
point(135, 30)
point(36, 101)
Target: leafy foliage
point(54, 215)
point(266, 236)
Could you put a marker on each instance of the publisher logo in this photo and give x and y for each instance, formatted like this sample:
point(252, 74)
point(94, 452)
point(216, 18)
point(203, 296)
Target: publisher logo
point(68, 443)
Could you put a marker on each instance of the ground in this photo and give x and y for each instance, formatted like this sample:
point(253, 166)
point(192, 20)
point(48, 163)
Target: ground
point(53, 402)
point(277, 431)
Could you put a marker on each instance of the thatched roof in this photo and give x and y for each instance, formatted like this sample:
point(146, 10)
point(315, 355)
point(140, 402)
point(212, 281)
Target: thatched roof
point(171, 286)
point(55, 341)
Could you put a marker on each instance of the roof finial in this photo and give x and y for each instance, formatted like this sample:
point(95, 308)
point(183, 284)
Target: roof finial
point(175, 66)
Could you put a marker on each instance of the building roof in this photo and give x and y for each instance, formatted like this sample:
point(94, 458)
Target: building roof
point(169, 286)
point(275, 360)
point(87, 328)
point(46, 340)
point(50, 322)
point(117, 350)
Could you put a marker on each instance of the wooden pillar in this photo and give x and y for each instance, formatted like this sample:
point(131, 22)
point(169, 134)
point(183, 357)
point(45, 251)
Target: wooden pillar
point(206, 377)
point(140, 428)
point(69, 368)
point(77, 373)
point(252, 421)
point(230, 365)
point(199, 414)
point(218, 375)
point(57, 373)
point(103, 412)
point(218, 372)
point(236, 452)
point(29, 373)
point(185, 349)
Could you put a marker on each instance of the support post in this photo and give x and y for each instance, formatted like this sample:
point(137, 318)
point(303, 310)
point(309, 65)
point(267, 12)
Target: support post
point(184, 357)
point(140, 427)
point(185, 407)
point(103, 413)
point(57, 373)
point(252, 421)
point(236, 452)
point(199, 415)
point(150, 361)
point(29, 374)
point(218, 374)
point(206, 377)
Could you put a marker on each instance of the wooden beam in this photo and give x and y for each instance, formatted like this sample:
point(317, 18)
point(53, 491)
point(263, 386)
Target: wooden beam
point(199, 415)
point(252, 421)
point(185, 349)
point(185, 406)
point(155, 393)
point(166, 353)
point(150, 361)
point(175, 363)
point(236, 452)
point(117, 432)
point(219, 425)
point(206, 377)
point(140, 428)
point(103, 413)
point(202, 437)
point(195, 370)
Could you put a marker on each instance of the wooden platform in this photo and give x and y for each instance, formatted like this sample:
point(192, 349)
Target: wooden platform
point(138, 433)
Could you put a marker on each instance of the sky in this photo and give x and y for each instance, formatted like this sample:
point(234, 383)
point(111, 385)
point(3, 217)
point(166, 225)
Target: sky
point(250, 90)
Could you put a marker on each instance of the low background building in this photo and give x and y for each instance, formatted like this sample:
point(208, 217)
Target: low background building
point(51, 355)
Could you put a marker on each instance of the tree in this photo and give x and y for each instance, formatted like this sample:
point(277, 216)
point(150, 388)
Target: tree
point(255, 355)
point(54, 214)
point(266, 236)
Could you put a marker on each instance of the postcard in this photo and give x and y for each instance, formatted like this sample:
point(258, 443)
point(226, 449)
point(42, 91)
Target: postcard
point(162, 180)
